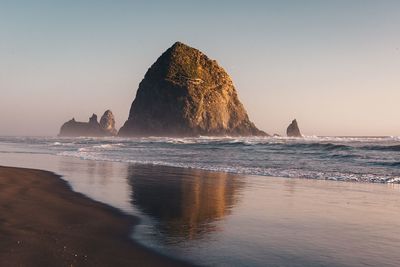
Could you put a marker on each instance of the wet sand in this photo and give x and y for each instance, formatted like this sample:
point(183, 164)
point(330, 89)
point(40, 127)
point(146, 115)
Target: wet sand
point(44, 223)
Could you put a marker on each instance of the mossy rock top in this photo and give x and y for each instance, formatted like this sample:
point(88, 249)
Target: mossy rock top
point(185, 93)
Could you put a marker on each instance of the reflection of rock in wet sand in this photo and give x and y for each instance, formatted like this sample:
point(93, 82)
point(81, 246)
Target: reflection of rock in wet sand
point(184, 202)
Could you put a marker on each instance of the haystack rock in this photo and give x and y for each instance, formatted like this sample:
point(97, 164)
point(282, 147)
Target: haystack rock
point(184, 93)
point(106, 127)
point(293, 130)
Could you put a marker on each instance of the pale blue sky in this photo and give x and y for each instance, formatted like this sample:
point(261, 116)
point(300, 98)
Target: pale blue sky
point(333, 65)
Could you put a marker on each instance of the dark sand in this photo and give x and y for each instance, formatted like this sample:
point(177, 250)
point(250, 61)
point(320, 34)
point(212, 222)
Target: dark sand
point(44, 223)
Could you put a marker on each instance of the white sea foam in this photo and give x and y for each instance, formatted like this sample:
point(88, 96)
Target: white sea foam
point(108, 146)
point(275, 172)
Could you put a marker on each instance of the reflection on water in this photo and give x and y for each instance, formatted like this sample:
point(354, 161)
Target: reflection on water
point(103, 181)
point(185, 204)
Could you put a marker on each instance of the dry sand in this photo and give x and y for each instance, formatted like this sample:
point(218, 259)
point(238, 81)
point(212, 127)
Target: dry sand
point(44, 223)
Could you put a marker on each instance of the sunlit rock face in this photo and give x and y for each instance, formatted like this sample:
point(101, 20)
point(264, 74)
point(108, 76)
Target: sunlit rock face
point(107, 123)
point(293, 130)
point(106, 127)
point(185, 203)
point(185, 93)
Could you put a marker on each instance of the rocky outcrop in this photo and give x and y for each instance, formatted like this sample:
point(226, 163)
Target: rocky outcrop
point(106, 127)
point(107, 123)
point(293, 130)
point(185, 93)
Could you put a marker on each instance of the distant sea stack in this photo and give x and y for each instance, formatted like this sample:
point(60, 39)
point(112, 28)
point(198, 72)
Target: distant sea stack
point(107, 123)
point(184, 93)
point(106, 127)
point(293, 130)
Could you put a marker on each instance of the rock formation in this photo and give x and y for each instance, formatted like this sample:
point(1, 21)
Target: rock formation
point(107, 123)
point(293, 130)
point(184, 93)
point(106, 127)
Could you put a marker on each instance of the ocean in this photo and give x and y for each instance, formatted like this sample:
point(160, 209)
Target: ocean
point(356, 159)
point(313, 201)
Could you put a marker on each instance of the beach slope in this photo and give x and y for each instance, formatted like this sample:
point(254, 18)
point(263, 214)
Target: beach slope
point(44, 223)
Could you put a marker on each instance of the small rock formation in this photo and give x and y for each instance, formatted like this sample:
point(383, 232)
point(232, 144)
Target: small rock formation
point(107, 122)
point(293, 130)
point(106, 127)
point(184, 93)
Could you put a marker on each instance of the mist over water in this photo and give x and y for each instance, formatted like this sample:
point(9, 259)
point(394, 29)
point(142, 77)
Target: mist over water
point(361, 159)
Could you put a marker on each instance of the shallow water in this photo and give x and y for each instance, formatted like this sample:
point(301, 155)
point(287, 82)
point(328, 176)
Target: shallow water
point(223, 219)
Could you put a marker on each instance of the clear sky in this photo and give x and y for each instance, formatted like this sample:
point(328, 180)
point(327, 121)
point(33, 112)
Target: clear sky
point(333, 65)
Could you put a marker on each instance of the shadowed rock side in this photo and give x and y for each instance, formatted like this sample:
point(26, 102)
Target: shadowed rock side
point(293, 130)
point(185, 93)
point(106, 127)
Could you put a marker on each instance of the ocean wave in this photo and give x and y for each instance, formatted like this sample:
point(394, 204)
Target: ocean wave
point(387, 163)
point(275, 172)
point(25, 152)
point(225, 140)
point(352, 138)
point(382, 148)
point(374, 159)
point(108, 146)
point(343, 156)
point(324, 146)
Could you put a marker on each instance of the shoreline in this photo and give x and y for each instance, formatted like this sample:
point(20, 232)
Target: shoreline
point(43, 222)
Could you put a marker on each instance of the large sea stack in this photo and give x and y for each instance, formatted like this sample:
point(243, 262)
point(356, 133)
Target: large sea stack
point(293, 129)
point(184, 93)
point(106, 127)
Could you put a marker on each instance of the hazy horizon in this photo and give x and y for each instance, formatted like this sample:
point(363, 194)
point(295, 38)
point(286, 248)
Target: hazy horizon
point(334, 66)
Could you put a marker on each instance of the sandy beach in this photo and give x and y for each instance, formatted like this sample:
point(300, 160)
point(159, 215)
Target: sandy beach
point(44, 223)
